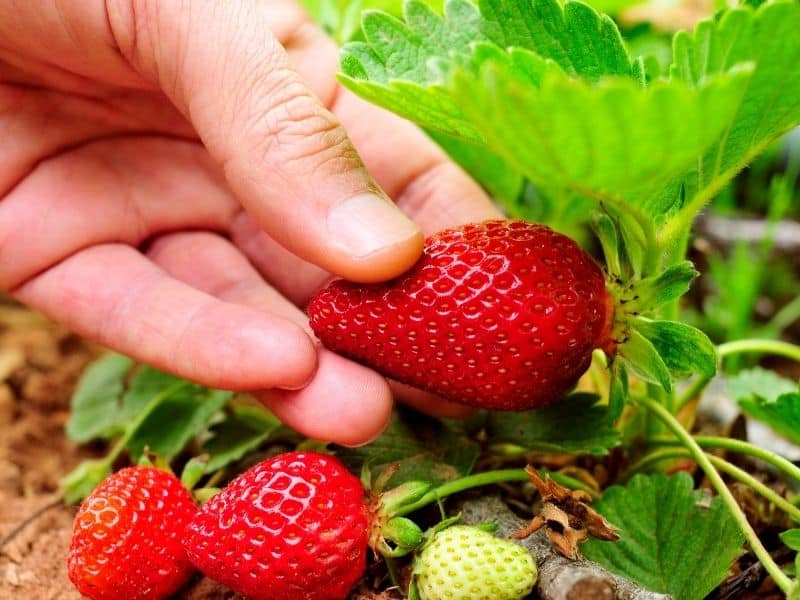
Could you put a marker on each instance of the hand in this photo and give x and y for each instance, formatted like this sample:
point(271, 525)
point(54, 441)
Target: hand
point(174, 184)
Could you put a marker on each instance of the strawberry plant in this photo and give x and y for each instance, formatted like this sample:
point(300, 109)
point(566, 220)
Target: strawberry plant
point(559, 117)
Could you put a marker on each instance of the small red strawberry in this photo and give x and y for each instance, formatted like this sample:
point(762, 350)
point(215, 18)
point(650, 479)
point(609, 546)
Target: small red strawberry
point(501, 315)
point(126, 539)
point(293, 527)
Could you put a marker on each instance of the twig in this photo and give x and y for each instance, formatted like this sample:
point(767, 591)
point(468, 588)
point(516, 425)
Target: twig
point(560, 578)
point(749, 579)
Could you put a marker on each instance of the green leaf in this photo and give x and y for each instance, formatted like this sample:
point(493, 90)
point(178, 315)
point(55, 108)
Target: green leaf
point(179, 413)
point(766, 38)
point(613, 141)
point(761, 382)
point(242, 431)
point(494, 174)
point(576, 425)
point(82, 480)
point(573, 35)
point(548, 88)
point(791, 538)
point(683, 348)
point(426, 449)
point(671, 540)
point(644, 360)
point(782, 415)
point(671, 284)
point(95, 405)
point(146, 383)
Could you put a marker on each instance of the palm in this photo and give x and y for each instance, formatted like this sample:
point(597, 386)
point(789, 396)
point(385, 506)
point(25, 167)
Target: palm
point(108, 194)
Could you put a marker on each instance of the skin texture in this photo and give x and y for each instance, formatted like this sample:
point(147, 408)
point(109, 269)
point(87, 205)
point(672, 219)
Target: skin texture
point(126, 540)
point(501, 315)
point(293, 527)
point(176, 178)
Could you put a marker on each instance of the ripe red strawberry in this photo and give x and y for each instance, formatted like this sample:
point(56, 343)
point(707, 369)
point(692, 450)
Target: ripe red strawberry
point(293, 527)
point(126, 539)
point(501, 315)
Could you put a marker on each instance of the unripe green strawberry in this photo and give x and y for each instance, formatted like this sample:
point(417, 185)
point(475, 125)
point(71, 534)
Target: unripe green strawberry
point(126, 540)
point(501, 315)
point(468, 563)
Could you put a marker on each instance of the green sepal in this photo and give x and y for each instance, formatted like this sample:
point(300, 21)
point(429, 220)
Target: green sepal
point(683, 348)
point(203, 495)
point(403, 533)
point(82, 481)
point(431, 532)
point(618, 390)
point(145, 460)
point(644, 360)
point(194, 470)
point(671, 284)
point(606, 232)
point(634, 242)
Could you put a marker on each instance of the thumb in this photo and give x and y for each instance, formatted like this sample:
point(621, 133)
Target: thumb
point(285, 156)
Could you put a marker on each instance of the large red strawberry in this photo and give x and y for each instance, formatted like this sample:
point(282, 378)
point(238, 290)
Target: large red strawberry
point(500, 314)
point(293, 527)
point(126, 540)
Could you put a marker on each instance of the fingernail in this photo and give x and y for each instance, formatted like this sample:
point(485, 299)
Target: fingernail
point(368, 223)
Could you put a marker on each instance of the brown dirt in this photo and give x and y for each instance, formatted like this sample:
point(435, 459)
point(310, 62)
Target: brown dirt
point(39, 364)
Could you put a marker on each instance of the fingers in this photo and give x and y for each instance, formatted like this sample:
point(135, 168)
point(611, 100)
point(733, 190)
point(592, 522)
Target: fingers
point(123, 190)
point(287, 158)
point(112, 294)
point(344, 402)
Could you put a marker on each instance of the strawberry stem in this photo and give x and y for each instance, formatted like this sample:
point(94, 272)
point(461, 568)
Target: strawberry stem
point(702, 460)
point(720, 464)
point(481, 479)
point(749, 346)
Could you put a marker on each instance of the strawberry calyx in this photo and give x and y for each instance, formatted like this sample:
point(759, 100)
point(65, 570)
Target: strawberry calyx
point(390, 533)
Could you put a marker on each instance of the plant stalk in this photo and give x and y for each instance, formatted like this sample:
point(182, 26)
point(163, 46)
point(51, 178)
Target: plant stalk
point(703, 461)
point(486, 478)
point(721, 465)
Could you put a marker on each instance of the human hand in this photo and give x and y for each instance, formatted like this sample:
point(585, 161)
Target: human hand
point(173, 186)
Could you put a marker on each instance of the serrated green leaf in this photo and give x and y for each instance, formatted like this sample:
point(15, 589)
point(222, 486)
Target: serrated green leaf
point(782, 415)
point(426, 449)
point(644, 360)
point(180, 413)
point(613, 141)
point(245, 429)
point(573, 35)
point(577, 425)
point(758, 381)
point(431, 107)
point(766, 38)
point(95, 405)
point(671, 284)
point(683, 348)
point(671, 540)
